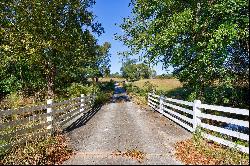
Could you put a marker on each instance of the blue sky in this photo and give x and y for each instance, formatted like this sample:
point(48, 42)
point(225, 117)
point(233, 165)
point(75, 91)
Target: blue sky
point(108, 13)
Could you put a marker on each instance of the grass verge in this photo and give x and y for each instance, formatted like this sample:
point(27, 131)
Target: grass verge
point(199, 151)
point(53, 149)
point(47, 151)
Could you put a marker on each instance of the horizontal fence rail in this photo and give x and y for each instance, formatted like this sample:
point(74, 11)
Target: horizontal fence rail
point(25, 123)
point(225, 125)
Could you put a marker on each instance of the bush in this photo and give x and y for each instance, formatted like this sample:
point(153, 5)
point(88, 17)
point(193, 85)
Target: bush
point(16, 99)
point(76, 89)
point(104, 92)
point(102, 98)
point(107, 86)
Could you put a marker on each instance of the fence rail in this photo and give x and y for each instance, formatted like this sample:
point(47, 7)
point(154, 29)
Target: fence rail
point(228, 131)
point(17, 125)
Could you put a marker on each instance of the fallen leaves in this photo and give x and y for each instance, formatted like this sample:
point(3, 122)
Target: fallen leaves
point(134, 154)
point(207, 153)
point(53, 150)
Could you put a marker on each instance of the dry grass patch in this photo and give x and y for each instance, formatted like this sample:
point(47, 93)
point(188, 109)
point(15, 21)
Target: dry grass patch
point(107, 79)
point(139, 100)
point(203, 152)
point(160, 84)
point(50, 151)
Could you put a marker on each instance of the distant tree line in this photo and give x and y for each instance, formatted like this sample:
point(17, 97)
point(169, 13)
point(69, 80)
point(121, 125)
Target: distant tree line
point(115, 75)
point(164, 76)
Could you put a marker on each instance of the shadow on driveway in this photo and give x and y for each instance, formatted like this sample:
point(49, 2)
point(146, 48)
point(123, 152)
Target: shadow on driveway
point(82, 120)
point(120, 95)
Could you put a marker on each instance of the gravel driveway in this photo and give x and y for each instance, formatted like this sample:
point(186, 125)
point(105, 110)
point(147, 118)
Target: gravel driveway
point(121, 126)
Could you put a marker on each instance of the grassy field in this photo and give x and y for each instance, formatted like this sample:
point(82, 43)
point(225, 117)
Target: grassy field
point(107, 79)
point(160, 84)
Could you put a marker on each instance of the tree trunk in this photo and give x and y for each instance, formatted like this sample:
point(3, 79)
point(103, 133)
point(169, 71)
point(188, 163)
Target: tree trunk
point(50, 77)
point(93, 80)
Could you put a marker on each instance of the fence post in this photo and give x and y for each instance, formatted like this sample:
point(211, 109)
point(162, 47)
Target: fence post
point(82, 103)
point(50, 116)
point(161, 104)
point(197, 113)
point(148, 97)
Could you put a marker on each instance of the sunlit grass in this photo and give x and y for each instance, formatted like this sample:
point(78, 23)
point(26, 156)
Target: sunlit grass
point(107, 79)
point(160, 84)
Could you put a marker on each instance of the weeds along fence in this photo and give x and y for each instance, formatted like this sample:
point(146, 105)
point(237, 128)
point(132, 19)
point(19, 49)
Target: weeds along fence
point(224, 125)
point(27, 123)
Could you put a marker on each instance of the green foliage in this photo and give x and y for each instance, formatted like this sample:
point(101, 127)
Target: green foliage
point(132, 71)
point(149, 87)
point(136, 91)
point(76, 89)
point(104, 93)
point(102, 98)
point(205, 41)
point(115, 75)
point(14, 100)
point(164, 76)
point(18, 99)
point(49, 45)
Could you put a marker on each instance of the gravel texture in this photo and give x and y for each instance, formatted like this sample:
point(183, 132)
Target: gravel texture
point(120, 126)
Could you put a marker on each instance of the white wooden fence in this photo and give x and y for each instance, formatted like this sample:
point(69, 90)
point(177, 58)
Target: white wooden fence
point(191, 115)
point(19, 125)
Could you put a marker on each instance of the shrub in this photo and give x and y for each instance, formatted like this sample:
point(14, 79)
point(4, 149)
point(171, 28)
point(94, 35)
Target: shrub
point(102, 98)
point(16, 99)
point(104, 92)
point(76, 89)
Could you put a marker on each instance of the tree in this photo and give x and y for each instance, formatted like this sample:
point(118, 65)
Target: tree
point(101, 62)
point(115, 75)
point(201, 39)
point(46, 42)
point(132, 71)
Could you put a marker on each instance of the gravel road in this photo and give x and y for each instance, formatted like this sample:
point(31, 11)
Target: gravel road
point(121, 126)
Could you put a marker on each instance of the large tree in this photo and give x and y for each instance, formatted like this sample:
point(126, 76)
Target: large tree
point(46, 42)
point(206, 41)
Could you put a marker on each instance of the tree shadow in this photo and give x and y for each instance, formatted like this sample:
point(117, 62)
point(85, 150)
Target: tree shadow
point(83, 119)
point(120, 95)
point(178, 93)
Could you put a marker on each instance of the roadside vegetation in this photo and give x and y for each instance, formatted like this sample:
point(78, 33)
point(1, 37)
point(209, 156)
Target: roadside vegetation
point(107, 79)
point(51, 150)
point(197, 151)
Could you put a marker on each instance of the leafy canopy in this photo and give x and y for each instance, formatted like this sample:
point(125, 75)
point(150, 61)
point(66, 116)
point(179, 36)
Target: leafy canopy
point(206, 41)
